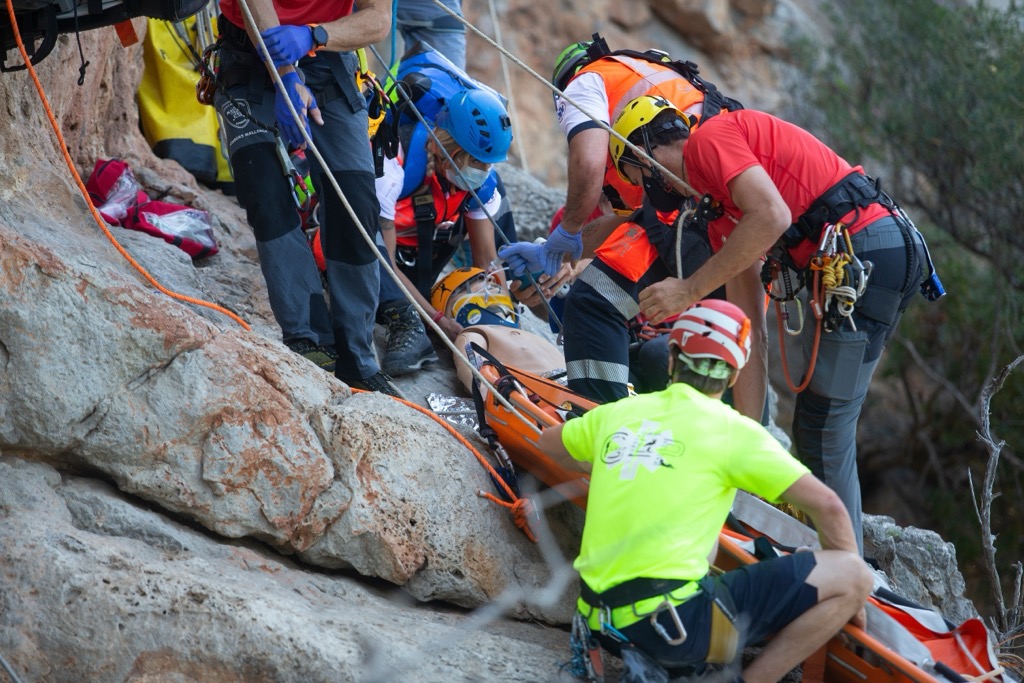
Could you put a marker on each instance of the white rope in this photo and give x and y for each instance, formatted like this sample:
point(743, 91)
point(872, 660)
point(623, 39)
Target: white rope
point(641, 153)
point(472, 192)
point(279, 85)
point(512, 110)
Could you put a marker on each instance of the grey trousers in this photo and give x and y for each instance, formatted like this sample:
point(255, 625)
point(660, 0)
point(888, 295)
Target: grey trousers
point(827, 412)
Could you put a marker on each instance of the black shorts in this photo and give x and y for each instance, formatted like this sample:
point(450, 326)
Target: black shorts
point(768, 595)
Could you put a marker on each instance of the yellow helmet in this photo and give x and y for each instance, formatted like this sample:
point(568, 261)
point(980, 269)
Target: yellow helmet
point(473, 297)
point(637, 115)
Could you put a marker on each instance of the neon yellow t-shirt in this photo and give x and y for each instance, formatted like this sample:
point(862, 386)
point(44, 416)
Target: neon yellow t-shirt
point(666, 467)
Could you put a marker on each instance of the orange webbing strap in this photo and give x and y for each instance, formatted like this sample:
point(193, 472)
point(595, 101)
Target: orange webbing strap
point(814, 666)
point(85, 193)
point(817, 312)
point(522, 508)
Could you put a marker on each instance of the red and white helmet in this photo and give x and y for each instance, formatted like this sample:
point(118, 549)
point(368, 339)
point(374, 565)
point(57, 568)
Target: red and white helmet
point(715, 329)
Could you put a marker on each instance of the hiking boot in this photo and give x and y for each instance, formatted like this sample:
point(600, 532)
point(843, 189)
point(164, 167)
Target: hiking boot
point(380, 383)
point(407, 348)
point(323, 357)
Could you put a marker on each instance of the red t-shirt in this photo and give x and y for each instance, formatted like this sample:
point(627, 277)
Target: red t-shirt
point(801, 166)
point(294, 12)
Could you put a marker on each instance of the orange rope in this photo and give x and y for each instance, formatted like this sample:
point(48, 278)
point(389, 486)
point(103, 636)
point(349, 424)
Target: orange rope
point(522, 508)
point(817, 339)
point(85, 193)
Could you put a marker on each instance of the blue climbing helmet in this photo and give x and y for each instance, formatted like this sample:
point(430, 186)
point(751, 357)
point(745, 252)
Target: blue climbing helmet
point(479, 123)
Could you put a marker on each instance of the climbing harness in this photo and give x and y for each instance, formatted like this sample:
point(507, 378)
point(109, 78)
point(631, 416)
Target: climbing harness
point(835, 278)
point(838, 279)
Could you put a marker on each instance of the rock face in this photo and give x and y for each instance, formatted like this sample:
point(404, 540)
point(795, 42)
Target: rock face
point(920, 566)
point(184, 499)
point(98, 588)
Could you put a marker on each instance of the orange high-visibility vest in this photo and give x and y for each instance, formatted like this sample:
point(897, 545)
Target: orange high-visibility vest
point(625, 79)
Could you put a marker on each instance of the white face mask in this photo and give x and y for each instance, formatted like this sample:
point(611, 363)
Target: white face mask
point(471, 178)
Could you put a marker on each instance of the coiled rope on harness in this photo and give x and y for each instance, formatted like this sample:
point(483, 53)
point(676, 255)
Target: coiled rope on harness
point(85, 193)
point(834, 291)
point(523, 510)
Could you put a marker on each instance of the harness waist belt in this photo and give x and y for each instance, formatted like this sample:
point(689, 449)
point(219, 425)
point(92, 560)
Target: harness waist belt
point(629, 592)
point(855, 191)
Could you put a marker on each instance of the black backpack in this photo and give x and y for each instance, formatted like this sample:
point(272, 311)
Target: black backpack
point(39, 23)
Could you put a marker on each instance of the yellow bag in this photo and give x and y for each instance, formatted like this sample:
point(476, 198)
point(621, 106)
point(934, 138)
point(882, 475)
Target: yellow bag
point(175, 125)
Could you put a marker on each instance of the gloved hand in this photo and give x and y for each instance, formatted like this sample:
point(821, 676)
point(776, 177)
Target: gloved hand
point(523, 257)
point(288, 44)
point(561, 242)
point(285, 121)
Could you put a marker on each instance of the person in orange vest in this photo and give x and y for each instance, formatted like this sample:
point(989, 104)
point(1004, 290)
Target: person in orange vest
point(796, 216)
point(601, 82)
point(602, 305)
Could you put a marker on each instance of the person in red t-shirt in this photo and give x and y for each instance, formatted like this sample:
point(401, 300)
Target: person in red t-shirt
point(788, 198)
point(311, 44)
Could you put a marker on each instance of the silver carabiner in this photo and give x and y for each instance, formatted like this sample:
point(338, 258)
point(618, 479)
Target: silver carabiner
point(660, 630)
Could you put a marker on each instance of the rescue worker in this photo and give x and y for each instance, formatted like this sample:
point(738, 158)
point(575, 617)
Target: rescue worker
point(426, 207)
point(310, 44)
point(602, 83)
point(603, 307)
point(821, 223)
point(665, 470)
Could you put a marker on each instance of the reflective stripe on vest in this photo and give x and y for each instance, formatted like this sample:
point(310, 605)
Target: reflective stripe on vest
point(628, 251)
point(626, 78)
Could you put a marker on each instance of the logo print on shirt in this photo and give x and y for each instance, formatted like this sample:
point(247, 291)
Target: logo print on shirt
point(635, 449)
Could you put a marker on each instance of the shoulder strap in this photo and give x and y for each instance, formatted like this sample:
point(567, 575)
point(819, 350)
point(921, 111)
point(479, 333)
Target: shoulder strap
point(426, 222)
point(714, 100)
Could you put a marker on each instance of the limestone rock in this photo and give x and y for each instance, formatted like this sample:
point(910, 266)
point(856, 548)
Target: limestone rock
point(920, 565)
point(98, 588)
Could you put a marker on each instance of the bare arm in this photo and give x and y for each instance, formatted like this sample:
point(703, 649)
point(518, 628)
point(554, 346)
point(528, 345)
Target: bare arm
point(597, 231)
point(481, 243)
point(826, 510)
point(746, 291)
point(369, 25)
point(765, 217)
point(551, 443)
point(588, 154)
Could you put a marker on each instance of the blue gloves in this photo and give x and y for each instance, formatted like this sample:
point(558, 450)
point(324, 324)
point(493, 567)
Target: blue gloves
point(524, 257)
point(285, 121)
point(288, 44)
point(560, 241)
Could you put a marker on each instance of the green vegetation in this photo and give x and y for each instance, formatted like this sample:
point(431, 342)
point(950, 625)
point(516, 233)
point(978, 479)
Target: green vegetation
point(929, 96)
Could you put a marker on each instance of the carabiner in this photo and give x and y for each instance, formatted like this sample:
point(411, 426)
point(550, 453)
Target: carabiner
point(661, 631)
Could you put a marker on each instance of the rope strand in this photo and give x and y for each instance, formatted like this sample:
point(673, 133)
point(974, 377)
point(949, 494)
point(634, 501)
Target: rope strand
point(523, 509)
point(518, 62)
point(458, 354)
point(85, 193)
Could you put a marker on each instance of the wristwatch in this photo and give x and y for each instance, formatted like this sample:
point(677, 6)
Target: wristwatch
point(319, 37)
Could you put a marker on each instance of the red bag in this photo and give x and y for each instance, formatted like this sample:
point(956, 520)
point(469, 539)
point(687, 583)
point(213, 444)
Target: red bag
point(119, 199)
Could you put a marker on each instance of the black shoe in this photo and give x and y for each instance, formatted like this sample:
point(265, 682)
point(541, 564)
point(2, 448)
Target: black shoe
point(380, 383)
point(407, 347)
point(324, 357)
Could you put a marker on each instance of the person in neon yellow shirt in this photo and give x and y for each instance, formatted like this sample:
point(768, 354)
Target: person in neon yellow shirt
point(666, 467)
